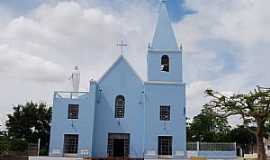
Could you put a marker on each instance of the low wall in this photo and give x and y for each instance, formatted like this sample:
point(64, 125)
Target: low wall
point(213, 154)
point(222, 155)
point(218, 154)
point(53, 158)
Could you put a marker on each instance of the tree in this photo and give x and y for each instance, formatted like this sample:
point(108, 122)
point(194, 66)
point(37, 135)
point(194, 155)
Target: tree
point(4, 142)
point(253, 107)
point(188, 130)
point(208, 128)
point(243, 138)
point(28, 123)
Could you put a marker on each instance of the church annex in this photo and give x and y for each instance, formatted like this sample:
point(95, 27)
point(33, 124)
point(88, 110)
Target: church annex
point(123, 115)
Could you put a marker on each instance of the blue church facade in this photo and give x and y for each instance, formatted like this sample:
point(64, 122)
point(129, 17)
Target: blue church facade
point(122, 115)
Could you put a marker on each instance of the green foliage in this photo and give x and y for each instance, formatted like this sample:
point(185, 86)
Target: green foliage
point(17, 145)
point(44, 151)
point(208, 128)
point(4, 142)
point(243, 138)
point(253, 107)
point(27, 124)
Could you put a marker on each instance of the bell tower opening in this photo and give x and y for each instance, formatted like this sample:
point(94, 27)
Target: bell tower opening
point(165, 65)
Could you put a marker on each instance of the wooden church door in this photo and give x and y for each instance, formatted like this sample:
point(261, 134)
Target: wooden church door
point(118, 144)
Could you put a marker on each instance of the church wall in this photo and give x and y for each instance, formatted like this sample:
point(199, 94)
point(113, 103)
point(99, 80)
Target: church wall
point(62, 125)
point(175, 61)
point(163, 93)
point(120, 80)
point(142, 104)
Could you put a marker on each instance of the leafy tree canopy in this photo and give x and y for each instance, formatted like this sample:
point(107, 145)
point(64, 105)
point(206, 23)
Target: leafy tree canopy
point(28, 123)
point(208, 128)
point(253, 107)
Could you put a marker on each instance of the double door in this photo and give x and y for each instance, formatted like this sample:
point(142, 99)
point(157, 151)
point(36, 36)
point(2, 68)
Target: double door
point(118, 144)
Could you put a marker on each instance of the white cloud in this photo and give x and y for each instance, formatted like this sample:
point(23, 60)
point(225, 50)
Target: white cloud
point(38, 50)
point(226, 46)
point(195, 92)
point(19, 65)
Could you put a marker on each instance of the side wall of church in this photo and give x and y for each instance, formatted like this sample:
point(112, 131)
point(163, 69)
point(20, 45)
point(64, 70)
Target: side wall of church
point(156, 95)
point(83, 126)
point(120, 80)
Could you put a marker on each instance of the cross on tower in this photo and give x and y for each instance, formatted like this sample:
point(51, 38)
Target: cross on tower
point(122, 45)
point(164, 1)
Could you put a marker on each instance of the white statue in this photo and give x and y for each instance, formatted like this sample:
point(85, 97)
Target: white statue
point(75, 77)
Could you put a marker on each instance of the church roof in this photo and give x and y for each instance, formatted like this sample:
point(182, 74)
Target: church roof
point(164, 38)
point(119, 59)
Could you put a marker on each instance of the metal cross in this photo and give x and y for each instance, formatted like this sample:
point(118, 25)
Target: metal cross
point(122, 45)
point(164, 1)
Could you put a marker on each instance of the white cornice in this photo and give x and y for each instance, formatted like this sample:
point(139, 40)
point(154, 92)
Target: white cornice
point(163, 51)
point(164, 82)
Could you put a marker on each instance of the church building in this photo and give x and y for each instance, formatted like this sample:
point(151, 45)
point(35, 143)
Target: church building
point(123, 115)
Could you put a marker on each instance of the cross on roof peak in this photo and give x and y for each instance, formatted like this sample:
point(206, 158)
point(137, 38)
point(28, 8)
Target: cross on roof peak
point(164, 1)
point(122, 44)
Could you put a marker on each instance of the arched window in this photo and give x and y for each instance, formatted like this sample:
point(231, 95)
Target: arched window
point(119, 106)
point(164, 65)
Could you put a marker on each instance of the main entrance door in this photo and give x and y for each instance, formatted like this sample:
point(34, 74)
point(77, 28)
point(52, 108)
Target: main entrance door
point(118, 144)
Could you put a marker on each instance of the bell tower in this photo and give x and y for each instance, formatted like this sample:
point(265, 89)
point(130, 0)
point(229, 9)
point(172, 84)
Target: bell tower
point(164, 59)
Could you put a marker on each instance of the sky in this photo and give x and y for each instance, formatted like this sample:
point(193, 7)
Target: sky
point(226, 44)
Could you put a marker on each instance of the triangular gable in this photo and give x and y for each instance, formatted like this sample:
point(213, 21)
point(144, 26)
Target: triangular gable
point(119, 59)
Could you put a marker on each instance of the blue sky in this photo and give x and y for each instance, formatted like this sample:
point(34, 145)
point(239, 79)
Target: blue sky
point(176, 9)
point(20, 7)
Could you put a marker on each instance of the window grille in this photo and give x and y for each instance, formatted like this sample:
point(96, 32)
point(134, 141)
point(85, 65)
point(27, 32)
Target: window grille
point(73, 111)
point(164, 113)
point(119, 106)
point(165, 145)
point(71, 143)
